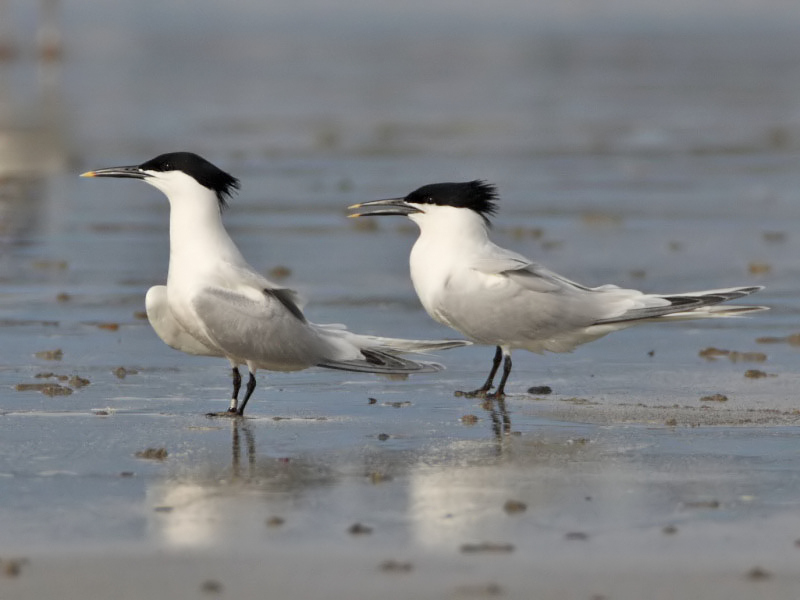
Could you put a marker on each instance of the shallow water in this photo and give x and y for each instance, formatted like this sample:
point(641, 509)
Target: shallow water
point(653, 154)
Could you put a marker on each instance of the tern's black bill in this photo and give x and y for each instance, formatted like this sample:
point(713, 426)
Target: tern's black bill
point(129, 172)
point(389, 206)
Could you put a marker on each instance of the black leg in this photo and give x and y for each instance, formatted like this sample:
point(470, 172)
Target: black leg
point(237, 383)
point(501, 389)
point(251, 385)
point(481, 391)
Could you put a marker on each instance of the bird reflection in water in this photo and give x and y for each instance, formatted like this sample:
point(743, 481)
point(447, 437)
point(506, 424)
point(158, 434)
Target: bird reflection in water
point(498, 412)
point(241, 428)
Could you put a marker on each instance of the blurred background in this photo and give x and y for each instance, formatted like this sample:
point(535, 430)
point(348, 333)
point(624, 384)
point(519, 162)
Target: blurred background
point(252, 80)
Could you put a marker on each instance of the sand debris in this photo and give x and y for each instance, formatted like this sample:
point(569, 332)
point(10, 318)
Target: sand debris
point(669, 530)
point(211, 586)
point(540, 390)
point(77, 381)
point(759, 268)
point(734, 356)
point(702, 504)
point(12, 567)
point(774, 237)
point(152, 454)
point(757, 374)
point(50, 265)
point(579, 401)
point(280, 272)
point(122, 372)
point(758, 574)
point(48, 389)
point(395, 566)
point(513, 507)
point(359, 529)
point(49, 375)
point(792, 340)
point(488, 547)
point(376, 477)
point(485, 590)
point(519, 233)
point(714, 398)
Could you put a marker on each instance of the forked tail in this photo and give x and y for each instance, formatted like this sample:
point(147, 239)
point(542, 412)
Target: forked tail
point(689, 305)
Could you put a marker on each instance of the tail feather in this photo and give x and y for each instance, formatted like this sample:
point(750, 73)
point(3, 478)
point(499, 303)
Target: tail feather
point(691, 305)
point(373, 354)
point(714, 311)
point(378, 361)
point(403, 346)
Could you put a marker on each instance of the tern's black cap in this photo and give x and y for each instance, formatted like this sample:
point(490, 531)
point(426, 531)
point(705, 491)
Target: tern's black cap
point(204, 172)
point(475, 195)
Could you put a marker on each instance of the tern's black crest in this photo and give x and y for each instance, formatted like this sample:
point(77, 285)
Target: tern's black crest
point(205, 173)
point(476, 195)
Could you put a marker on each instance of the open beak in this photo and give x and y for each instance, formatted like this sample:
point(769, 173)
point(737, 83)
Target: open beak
point(129, 172)
point(389, 206)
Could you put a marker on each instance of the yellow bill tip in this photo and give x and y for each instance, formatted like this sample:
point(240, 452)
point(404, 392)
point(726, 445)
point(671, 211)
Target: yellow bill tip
point(89, 174)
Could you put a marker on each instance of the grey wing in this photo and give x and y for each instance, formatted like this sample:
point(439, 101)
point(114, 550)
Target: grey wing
point(264, 326)
point(524, 272)
point(540, 305)
point(293, 300)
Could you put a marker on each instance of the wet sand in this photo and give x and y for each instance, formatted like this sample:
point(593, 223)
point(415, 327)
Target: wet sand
point(629, 151)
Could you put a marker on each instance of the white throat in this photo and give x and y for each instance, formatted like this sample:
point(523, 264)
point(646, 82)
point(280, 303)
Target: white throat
point(198, 241)
point(448, 237)
point(450, 230)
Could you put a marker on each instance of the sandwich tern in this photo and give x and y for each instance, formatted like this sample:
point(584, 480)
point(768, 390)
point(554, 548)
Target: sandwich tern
point(500, 298)
point(216, 304)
